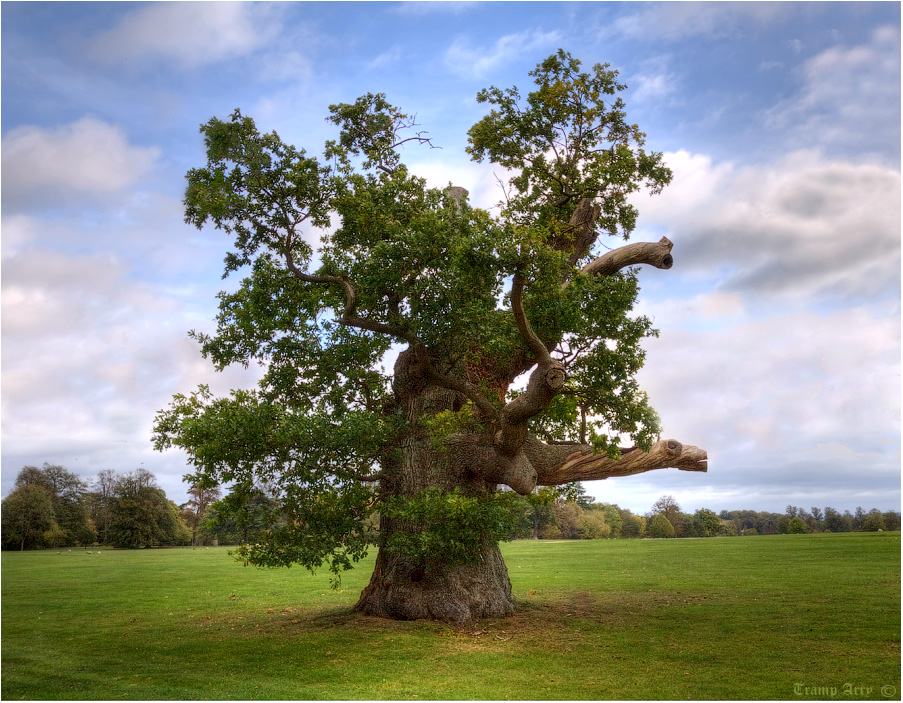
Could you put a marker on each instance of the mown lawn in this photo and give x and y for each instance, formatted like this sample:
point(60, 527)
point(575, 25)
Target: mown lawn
point(780, 617)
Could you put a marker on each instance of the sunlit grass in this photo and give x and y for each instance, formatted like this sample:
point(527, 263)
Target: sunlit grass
point(745, 618)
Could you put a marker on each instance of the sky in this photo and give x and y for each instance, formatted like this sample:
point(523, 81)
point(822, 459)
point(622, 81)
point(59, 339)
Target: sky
point(779, 347)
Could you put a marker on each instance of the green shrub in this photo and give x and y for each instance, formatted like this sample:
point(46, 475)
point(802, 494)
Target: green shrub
point(659, 526)
point(796, 527)
point(592, 525)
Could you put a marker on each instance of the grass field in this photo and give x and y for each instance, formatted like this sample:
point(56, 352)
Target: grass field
point(779, 617)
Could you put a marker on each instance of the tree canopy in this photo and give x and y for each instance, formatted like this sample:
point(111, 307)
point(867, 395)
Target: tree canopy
point(518, 346)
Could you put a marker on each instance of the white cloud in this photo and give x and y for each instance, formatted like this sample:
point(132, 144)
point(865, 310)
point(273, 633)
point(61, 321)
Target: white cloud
point(850, 97)
point(654, 81)
point(44, 166)
point(679, 20)
point(192, 33)
point(89, 356)
point(790, 405)
point(428, 7)
point(386, 58)
point(464, 58)
point(805, 227)
point(484, 190)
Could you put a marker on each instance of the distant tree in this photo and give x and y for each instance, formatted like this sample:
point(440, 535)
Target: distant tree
point(541, 512)
point(33, 476)
point(612, 519)
point(632, 526)
point(591, 525)
point(200, 498)
point(797, 526)
point(874, 521)
point(708, 523)
point(768, 523)
point(175, 531)
point(141, 515)
point(792, 511)
point(27, 514)
point(858, 518)
point(70, 520)
point(668, 506)
point(55, 537)
point(892, 520)
point(849, 519)
point(99, 501)
point(783, 524)
point(835, 522)
point(817, 522)
point(567, 519)
point(659, 526)
point(580, 495)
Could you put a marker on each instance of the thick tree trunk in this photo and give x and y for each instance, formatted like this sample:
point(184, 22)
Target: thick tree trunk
point(436, 589)
point(439, 591)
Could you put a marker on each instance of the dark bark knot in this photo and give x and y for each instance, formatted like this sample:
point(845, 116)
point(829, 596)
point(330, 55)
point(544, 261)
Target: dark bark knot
point(555, 378)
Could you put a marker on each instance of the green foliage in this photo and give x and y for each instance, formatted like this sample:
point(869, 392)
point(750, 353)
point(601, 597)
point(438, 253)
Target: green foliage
point(567, 140)
point(244, 515)
point(796, 527)
point(445, 423)
point(659, 526)
point(707, 522)
point(145, 518)
point(310, 463)
point(27, 515)
point(592, 525)
point(455, 524)
point(252, 180)
point(401, 263)
point(316, 527)
point(874, 521)
point(48, 507)
point(633, 525)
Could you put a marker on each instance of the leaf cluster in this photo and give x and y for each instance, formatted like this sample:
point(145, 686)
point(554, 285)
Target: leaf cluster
point(567, 140)
point(455, 525)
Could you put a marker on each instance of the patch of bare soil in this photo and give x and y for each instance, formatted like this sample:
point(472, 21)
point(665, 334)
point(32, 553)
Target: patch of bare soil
point(538, 617)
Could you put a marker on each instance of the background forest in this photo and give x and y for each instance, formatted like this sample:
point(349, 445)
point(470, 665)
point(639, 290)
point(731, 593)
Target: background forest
point(51, 508)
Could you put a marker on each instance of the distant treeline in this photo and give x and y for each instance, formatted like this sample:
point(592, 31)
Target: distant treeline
point(51, 507)
point(571, 514)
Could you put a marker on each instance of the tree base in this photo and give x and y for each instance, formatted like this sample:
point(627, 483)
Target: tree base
point(454, 593)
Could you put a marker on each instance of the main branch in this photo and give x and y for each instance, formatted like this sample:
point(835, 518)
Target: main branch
point(559, 464)
point(657, 254)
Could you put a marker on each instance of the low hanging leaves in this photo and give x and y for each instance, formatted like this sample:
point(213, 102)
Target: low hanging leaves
point(454, 526)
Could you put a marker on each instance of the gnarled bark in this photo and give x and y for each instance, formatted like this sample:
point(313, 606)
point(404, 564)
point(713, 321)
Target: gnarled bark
point(435, 588)
point(564, 463)
point(657, 254)
point(403, 590)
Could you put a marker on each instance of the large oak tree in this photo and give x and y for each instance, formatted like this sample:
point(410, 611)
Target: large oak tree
point(515, 348)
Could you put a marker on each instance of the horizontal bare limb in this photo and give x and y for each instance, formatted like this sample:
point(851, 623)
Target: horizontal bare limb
point(657, 254)
point(559, 464)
